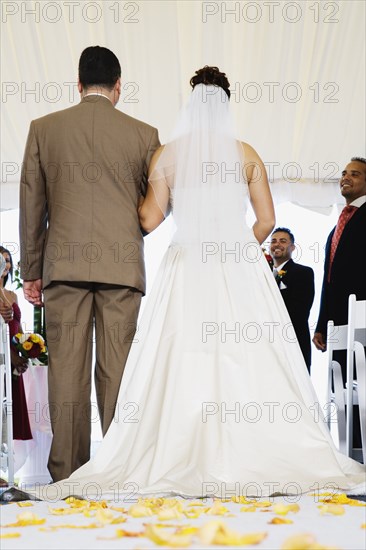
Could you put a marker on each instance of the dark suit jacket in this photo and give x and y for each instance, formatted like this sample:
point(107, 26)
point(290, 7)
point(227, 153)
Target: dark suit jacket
point(348, 272)
point(84, 170)
point(298, 298)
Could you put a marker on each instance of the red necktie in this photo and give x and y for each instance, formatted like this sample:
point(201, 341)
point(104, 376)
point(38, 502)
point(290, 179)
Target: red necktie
point(343, 219)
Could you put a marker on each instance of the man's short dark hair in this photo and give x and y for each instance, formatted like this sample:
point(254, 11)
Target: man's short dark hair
point(98, 66)
point(285, 230)
point(358, 159)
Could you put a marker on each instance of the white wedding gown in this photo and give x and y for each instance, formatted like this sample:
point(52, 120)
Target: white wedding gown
point(216, 398)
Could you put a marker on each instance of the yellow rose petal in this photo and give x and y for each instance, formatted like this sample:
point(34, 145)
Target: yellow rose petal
point(263, 504)
point(341, 498)
point(231, 538)
point(25, 504)
point(25, 519)
point(217, 509)
point(169, 513)
point(140, 511)
point(65, 511)
point(304, 541)
point(284, 509)
point(248, 509)
point(279, 521)
point(119, 509)
point(96, 505)
point(123, 533)
point(208, 531)
point(174, 540)
point(193, 514)
point(216, 532)
point(170, 509)
point(118, 519)
point(76, 502)
point(299, 542)
point(10, 536)
point(335, 509)
point(187, 530)
point(104, 516)
point(242, 500)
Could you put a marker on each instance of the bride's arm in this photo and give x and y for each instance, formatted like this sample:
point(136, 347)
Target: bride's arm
point(153, 209)
point(260, 194)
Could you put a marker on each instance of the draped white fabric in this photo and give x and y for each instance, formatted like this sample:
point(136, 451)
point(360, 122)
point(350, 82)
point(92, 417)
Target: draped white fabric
point(297, 74)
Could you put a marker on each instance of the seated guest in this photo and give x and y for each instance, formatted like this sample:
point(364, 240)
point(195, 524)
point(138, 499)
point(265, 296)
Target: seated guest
point(296, 283)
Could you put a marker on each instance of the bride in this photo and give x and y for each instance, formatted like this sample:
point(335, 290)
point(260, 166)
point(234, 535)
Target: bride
point(216, 399)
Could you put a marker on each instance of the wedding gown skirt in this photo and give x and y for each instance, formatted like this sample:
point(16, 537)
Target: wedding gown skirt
point(216, 398)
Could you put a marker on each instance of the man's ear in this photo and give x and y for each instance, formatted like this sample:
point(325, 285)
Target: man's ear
point(80, 87)
point(118, 86)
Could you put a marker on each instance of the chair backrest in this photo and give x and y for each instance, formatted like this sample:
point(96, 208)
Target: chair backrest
point(336, 337)
point(343, 337)
point(357, 319)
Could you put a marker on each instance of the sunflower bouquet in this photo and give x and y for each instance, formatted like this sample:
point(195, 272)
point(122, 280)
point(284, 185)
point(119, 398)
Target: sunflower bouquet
point(31, 346)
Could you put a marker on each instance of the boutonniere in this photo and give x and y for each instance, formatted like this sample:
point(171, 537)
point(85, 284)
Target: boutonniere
point(281, 273)
point(268, 258)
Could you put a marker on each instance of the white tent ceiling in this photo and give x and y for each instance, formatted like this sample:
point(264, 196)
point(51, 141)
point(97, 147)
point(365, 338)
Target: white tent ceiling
point(297, 73)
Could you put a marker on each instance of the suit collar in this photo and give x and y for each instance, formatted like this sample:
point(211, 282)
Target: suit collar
point(348, 227)
point(97, 98)
point(359, 202)
point(360, 208)
point(286, 265)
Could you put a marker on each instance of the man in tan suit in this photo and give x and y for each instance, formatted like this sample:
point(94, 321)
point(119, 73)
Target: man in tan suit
point(84, 171)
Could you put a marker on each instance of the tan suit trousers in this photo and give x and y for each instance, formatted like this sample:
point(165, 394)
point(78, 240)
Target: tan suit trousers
point(76, 314)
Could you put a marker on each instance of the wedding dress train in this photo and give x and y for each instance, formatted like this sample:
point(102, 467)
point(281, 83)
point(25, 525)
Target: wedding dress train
point(229, 411)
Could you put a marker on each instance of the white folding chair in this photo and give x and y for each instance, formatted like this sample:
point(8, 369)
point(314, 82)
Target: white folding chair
point(6, 454)
point(356, 389)
point(336, 341)
point(352, 339)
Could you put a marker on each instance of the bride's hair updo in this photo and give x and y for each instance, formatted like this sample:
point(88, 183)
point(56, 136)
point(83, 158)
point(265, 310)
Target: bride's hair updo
point(211, 75)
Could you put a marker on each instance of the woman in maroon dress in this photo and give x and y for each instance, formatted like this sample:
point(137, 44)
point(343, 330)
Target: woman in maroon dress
point(21, 427)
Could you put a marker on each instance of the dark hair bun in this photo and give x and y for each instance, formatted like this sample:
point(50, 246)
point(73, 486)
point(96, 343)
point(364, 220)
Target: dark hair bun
point(211, 75)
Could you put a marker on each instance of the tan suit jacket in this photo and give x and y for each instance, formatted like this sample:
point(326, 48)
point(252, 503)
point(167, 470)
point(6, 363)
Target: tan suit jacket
point(83, 173)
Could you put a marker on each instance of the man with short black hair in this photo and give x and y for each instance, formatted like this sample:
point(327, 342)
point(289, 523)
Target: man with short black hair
point(344, 271)
point(344, 253)
point(84, 171)
point(296, 283)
